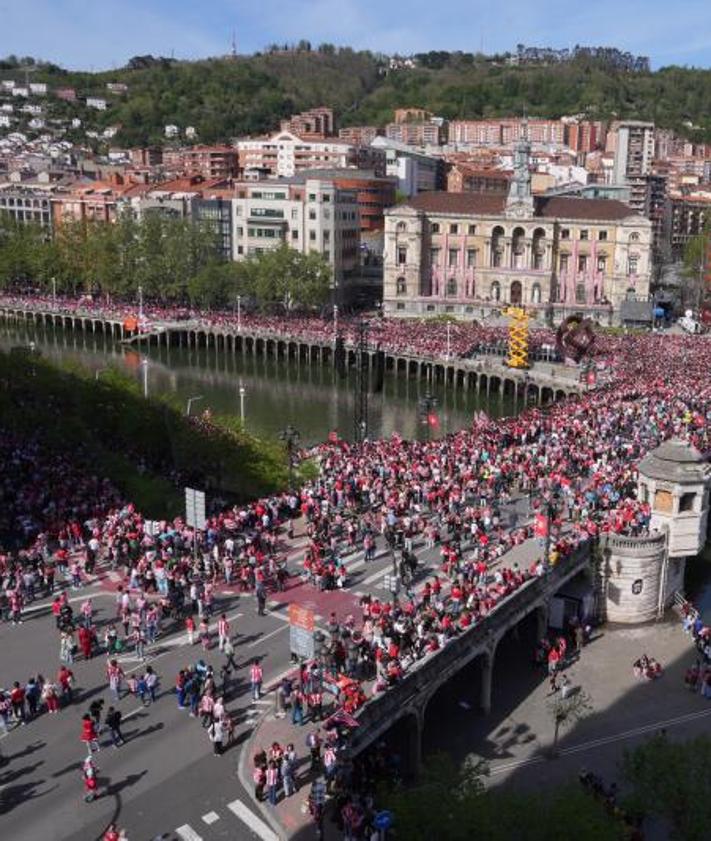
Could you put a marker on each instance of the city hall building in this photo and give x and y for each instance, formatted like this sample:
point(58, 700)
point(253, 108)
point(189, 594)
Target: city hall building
point(467, 254)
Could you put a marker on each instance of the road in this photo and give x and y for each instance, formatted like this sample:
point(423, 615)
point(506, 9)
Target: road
point(165, 782)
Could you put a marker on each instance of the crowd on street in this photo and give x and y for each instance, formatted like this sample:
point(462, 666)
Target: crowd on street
point(575, 461)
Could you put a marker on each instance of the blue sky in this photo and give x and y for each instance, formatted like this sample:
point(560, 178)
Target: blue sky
point(105, 33)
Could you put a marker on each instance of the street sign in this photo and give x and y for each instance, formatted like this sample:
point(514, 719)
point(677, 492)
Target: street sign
point(195, 508)
point(301, 631)
point(391, 583)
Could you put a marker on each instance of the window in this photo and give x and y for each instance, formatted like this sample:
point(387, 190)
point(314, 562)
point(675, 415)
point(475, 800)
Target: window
point(686, 503)
point(632, 264)
point(663, 501)
point(495, 291)
point(326, 237)
point(471, 257)
point(240, 232)
point(564, 262)
point(430, 307)
point(401, 286)
point(401, 227)
point(584, 233)
point(401, 306)
point(294, 234)
point(454, 228)
point(536, 293)
point(582, 263)
point(434, 256)
point(451, 287)
point(601, 263)
point(326, 199)
point(452, 257)
point(312, 236)
point(580, 293)
point(312, 215)
point(312, 196)
point(401, 255)
point(637, 585)
point(471, 229)
point(294, 214)
point(634, 236)
point(565, 233)
point(602, 236)
point(435, 227)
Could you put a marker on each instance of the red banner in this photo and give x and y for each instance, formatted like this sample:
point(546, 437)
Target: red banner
point(540, 525)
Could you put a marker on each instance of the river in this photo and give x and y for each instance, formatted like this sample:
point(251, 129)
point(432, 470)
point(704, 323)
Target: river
point(277, 392)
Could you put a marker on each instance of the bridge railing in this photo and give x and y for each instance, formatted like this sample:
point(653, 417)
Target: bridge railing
point(381, 711)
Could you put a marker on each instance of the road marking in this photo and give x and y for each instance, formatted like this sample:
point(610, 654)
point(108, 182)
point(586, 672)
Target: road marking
point(187, 833)
point(257, 825)
point(210, 818)
point(605, 740)
point(262, 701)
point(267, 636)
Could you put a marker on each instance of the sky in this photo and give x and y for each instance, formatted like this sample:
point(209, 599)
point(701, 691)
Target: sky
point(101, 34)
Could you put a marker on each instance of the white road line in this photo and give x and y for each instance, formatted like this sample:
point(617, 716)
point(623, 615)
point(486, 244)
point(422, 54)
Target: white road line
point(187, 833)
point(257, 825)
point(262, 701)
point(267, 636)
point(605, 740)
point(210, 818)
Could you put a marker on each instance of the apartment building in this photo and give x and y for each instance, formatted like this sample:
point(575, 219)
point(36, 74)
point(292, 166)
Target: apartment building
point(425, 133)
point(506, 132)
point(286, 154)
point(307, 214)
point(685, 216)
point(28, 202)
point(634, 153)
point(315, 124)
point(359, 135)
point(415, 172)
point(465, 178)
point(206, 161)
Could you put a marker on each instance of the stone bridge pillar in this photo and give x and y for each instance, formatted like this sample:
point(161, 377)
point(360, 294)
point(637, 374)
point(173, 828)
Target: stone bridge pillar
point(487, 673)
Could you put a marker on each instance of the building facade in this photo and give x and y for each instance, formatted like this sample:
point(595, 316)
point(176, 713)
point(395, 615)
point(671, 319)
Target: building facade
point(206, 161)
point(307, 214)
point(468, 253)
point(285, 154)
point(27, 203)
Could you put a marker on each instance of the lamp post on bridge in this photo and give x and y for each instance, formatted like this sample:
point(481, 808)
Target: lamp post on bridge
point(192, 400)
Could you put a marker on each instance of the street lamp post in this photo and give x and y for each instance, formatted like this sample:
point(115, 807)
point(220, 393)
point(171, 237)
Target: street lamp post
point(144, 365)
point(192, 400)
point(242, 392)
point(140, 303)
point(239, 313)
point(99, 372)
point(290, 437)
point(54, 291)
point(449, 341)
point(335, 322)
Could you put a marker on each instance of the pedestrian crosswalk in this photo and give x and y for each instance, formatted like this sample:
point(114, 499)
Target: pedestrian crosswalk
point(214, 825)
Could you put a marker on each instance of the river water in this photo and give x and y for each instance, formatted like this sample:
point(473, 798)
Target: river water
point(277, 392)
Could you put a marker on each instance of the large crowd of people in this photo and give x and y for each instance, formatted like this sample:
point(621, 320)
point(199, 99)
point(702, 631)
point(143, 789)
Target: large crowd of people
point(576, 460)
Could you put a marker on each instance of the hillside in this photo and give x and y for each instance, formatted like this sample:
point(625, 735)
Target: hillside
point(226, 97)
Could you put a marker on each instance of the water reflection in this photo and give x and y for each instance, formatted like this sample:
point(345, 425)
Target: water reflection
point(309, 396)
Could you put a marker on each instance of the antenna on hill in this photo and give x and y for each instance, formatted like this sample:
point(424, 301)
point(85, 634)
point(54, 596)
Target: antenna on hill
point(234, 44)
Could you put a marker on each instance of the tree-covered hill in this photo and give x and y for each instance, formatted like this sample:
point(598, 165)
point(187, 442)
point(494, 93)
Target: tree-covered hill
point(226, 97)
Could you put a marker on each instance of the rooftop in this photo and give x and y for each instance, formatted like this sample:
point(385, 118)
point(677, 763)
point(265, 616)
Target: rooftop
point(674, 461)
point(554, 207)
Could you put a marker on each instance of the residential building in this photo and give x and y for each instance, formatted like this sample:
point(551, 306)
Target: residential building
point(26, 202)
point(207, 161)
point(585, 135)
point(470, 253)
point(38, 88)
point(415, 171)
point(424, 133)
point(67, 94)
point(116, 87)
point(315, 124)
point(685, 216)
point(505, 132)
point(20, 91)
point(634, 153)
point(94, 201)
point(305, 213)
point(150, 156)
point(96, 102)
point(171, 131)
point(285, 154)
point(214, 208)
point(359, 135)
point(373, 194)
point(464, 178)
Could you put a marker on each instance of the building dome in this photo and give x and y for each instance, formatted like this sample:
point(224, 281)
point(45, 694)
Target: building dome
point(674, 461)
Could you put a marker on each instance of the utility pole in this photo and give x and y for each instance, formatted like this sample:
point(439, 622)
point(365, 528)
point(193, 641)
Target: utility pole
point(242, 392)
point(140, 303)
point(335, 322)
point(144, 365)
point(360, 414)
point(239, 313)
point(449, 341)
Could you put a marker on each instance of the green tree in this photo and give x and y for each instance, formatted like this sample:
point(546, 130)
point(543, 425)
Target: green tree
point(672, 781)
point(566, 711)
point(694, 260)
point(287, 277)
